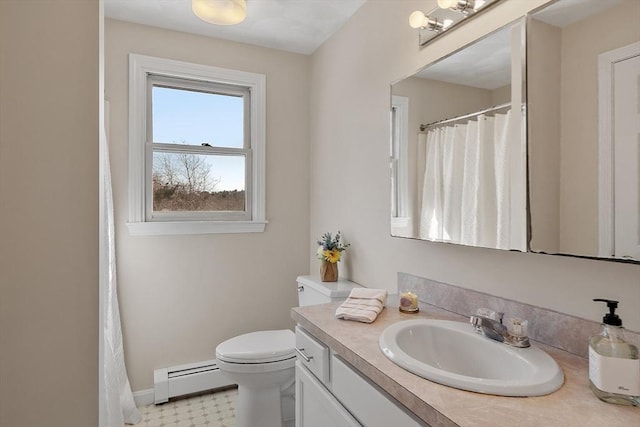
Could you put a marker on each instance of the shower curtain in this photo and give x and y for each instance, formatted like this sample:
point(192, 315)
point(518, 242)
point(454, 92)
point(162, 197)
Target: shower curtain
point(466, 186)
point(119, 406)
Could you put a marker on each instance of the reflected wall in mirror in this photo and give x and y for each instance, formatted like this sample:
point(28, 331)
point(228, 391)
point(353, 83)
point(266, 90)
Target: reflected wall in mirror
point(458, 147)
point(584, 128)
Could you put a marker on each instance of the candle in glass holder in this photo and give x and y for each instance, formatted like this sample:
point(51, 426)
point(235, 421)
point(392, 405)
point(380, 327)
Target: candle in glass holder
point(408, 302)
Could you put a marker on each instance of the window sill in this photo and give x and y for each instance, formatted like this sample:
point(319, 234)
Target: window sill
point(194, 227)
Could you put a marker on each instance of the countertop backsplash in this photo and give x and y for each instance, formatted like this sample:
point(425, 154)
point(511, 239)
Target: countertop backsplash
point(563, 331)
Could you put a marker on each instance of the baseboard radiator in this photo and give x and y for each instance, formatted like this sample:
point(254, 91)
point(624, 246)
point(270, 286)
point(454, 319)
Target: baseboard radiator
point(186, 379)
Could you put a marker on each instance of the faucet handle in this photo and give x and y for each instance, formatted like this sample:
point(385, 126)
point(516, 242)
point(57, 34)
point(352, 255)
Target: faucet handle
point(485, 312)
point(517, 327)
point(490, 314)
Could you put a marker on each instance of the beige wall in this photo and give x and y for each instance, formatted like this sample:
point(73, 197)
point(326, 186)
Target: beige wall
point(48, 213)
point(180, 296)
point(543, 76)
point(432, 100)
point(350, 81)
point(501, 95)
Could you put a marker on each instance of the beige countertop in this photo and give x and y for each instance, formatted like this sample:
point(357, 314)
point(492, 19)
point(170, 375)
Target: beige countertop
point(572, 405)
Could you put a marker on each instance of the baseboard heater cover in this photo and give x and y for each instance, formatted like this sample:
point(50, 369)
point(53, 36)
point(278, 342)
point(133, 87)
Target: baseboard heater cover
point(186, 379)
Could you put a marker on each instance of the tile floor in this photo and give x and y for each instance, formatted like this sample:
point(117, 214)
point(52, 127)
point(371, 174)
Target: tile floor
point(203, 410)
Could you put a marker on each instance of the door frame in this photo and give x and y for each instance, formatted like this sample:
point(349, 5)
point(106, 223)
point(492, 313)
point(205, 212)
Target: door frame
point(606, 221)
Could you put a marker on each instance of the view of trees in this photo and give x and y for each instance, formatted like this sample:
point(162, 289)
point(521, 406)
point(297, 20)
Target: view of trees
point(184, 182)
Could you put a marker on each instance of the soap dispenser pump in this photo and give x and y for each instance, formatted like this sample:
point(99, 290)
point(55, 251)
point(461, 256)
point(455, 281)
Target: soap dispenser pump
point(614, 367)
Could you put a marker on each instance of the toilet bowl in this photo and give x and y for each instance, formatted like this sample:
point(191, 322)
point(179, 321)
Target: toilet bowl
point(262, 363)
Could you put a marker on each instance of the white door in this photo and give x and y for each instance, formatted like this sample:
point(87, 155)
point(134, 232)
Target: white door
point(626, 149)
point(619, 153)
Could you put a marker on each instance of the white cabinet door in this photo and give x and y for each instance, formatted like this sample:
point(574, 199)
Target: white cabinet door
point(315, 406)
point(370, 405)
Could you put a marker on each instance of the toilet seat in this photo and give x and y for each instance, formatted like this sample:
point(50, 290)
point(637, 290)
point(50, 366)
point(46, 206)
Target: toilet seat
point(258, 347)
point(257, 368)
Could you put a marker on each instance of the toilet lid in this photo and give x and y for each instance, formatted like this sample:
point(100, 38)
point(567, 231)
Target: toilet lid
point(258, 347)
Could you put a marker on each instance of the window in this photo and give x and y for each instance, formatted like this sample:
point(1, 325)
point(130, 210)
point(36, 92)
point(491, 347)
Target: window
point(196, 148)
point(399, 163)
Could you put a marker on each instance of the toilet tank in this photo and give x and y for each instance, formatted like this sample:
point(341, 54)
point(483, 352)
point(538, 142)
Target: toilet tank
point(311, 290)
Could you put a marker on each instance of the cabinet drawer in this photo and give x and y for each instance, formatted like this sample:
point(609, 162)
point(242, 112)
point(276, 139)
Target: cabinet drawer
point(313, 354)
point(366, 401)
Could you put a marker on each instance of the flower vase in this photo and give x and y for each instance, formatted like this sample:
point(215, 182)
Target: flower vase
point(329, 271)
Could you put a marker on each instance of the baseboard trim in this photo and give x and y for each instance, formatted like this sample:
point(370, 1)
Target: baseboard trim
point(143, 397)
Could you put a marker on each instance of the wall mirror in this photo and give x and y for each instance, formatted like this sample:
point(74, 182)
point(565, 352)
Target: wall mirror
point(570, 180)
point(584, 128)
point(458, 154)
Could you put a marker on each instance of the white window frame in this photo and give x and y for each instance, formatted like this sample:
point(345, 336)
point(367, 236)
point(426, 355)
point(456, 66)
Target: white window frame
point(140, 68)
point(400, 161)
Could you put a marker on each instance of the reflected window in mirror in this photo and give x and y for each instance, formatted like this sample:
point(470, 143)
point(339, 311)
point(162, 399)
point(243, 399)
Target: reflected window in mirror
point(400, 203)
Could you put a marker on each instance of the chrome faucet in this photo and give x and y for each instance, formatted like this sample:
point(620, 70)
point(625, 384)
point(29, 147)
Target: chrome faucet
point(486, 324)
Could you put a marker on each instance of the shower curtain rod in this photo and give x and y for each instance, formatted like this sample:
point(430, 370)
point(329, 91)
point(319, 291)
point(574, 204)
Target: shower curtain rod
point(465, 116)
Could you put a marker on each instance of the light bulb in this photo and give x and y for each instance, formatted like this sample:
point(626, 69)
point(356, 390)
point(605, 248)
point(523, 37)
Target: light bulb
point(417, 20)
point(447, 4)
point(478, 4)
point(446, 23)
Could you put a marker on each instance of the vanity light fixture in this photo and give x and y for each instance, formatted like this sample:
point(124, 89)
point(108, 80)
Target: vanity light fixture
point(448, 14)
point(220, 12)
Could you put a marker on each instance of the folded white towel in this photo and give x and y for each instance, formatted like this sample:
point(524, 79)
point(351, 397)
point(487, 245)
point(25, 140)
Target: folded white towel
point(363, 305)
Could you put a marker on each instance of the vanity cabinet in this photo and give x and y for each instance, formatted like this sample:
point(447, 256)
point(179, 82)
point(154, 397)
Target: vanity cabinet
point(329, 392)
point(315, 405)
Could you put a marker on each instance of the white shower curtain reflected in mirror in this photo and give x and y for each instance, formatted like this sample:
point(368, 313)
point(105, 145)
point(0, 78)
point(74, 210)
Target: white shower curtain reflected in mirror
point(466, 186)
point(119, 406)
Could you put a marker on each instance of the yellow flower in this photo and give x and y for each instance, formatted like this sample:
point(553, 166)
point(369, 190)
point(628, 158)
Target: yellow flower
point(332, 256)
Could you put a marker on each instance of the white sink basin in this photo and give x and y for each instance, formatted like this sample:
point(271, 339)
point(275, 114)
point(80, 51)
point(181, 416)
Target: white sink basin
point(453, 354)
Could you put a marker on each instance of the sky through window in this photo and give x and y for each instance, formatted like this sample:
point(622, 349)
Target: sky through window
point(191, 117)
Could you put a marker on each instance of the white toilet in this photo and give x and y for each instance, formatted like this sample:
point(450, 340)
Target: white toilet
point(263, 363)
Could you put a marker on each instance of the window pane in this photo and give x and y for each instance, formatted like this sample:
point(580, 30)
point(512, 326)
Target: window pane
point(183, 116)
point(198, 182)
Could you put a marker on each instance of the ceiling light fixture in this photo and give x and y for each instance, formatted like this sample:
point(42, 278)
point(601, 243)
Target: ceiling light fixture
point(220, 12)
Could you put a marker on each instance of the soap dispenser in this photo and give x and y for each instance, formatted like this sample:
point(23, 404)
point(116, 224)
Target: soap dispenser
point(614, 367)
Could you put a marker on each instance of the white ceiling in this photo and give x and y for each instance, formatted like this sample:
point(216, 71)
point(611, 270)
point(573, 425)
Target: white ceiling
point(487, 65)
point(567, 12)
point(299, 26)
